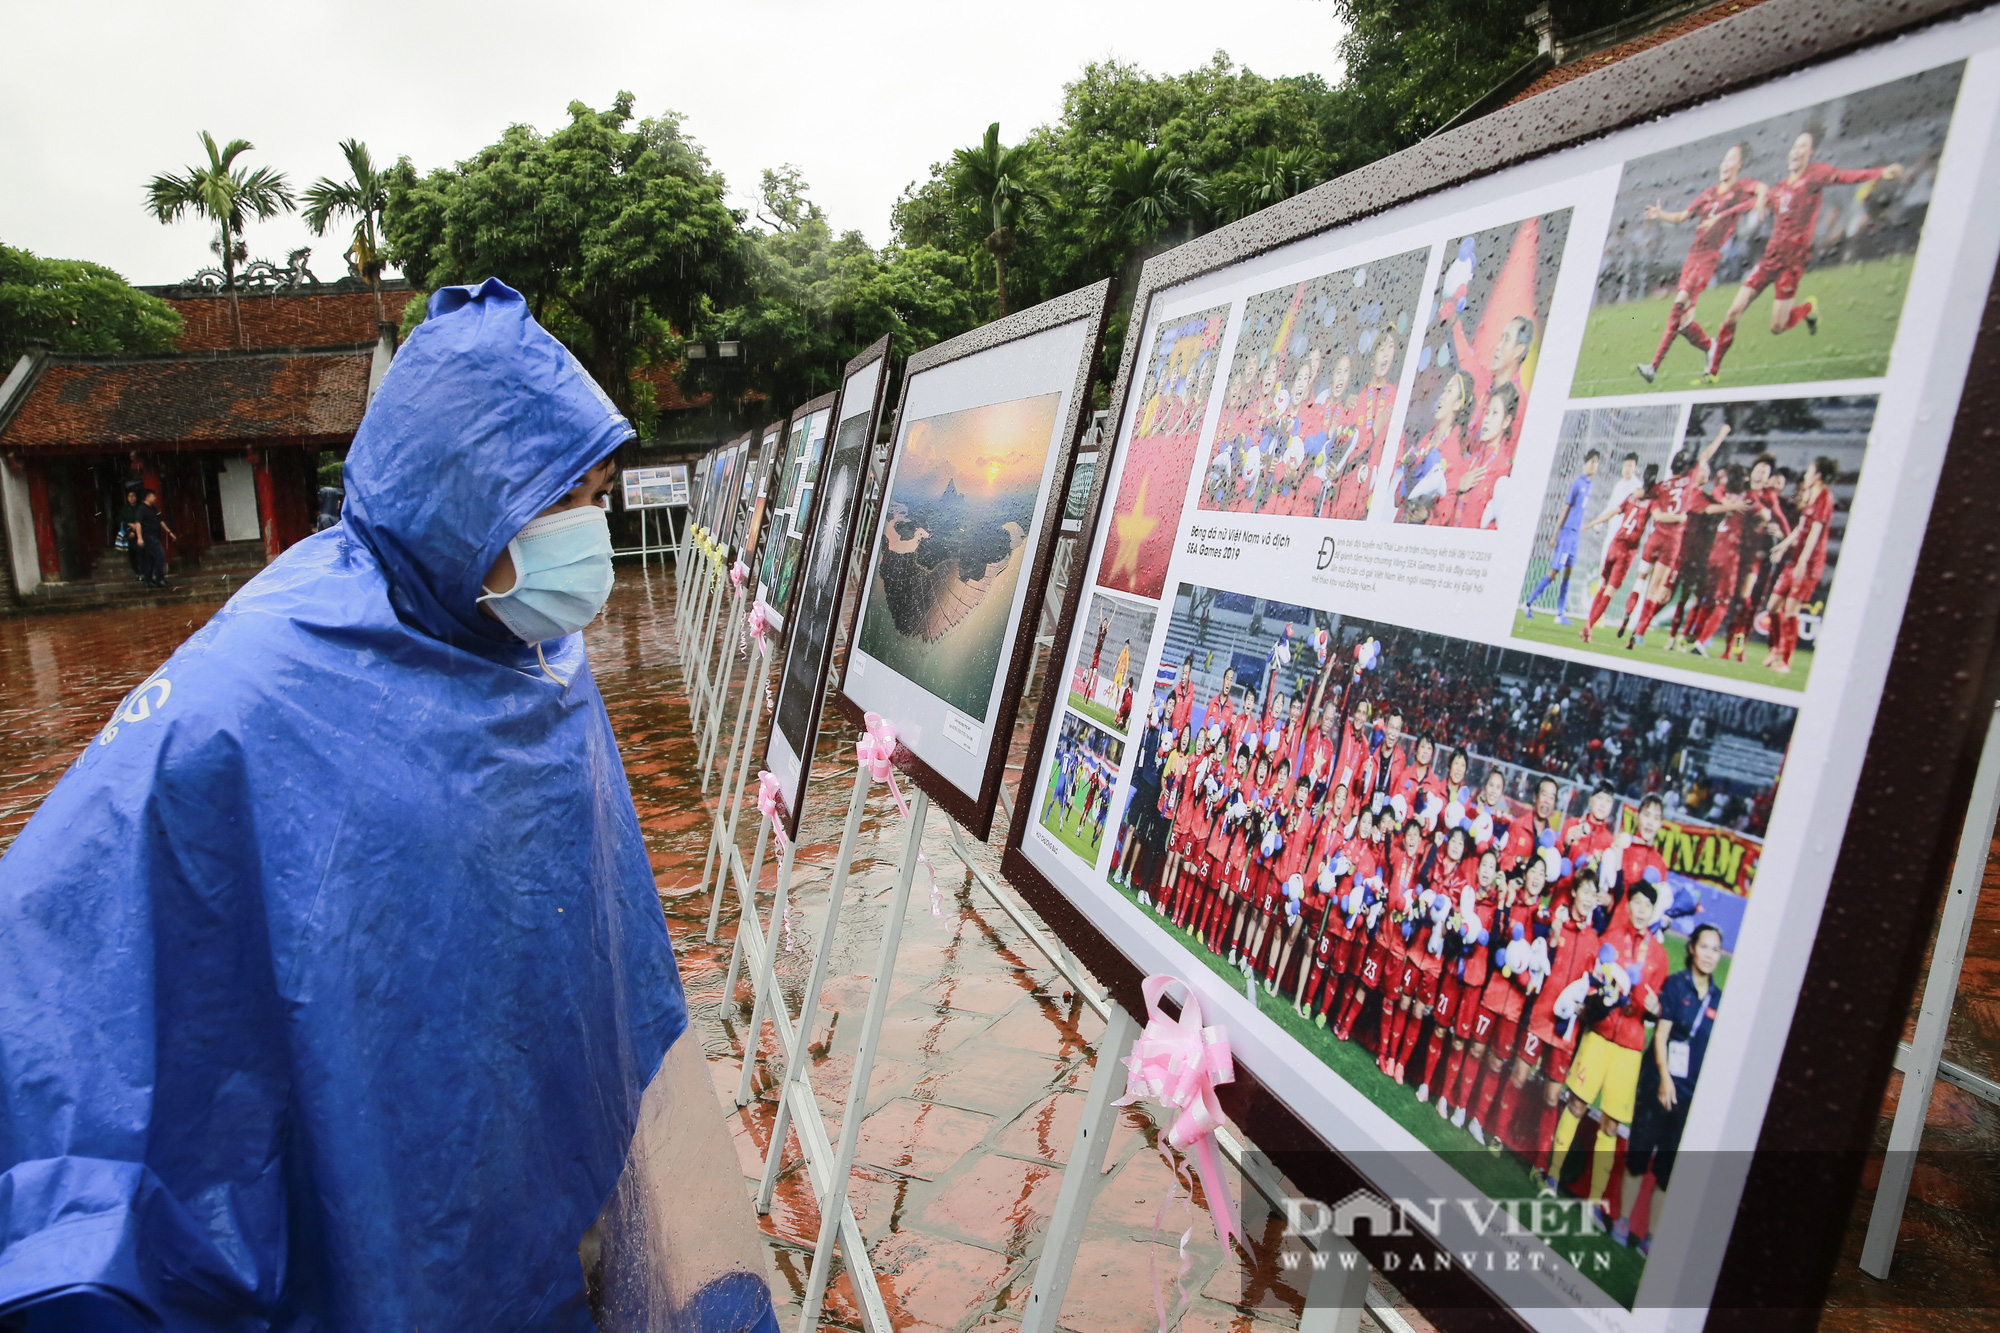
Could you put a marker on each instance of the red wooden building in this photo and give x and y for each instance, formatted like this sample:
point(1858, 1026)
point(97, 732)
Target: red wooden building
point(230, 436)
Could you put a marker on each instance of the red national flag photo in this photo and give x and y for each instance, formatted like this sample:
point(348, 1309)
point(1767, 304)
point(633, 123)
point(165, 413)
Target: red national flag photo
point(1159, 460)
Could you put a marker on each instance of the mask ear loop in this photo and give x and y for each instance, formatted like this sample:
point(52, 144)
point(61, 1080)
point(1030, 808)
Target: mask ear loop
point(545, 668)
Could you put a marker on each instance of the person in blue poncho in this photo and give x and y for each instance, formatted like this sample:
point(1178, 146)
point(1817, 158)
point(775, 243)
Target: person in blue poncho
point(335, 992)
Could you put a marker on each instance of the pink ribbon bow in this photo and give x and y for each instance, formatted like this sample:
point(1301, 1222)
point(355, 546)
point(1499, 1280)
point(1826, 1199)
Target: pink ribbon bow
point(1178, 1062)
point(768, 801)
point(874, 752)
point(758, 624)
point(738, 573)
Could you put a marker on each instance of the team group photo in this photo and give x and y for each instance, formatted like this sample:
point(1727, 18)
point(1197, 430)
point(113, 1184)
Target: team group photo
point(1445, 869)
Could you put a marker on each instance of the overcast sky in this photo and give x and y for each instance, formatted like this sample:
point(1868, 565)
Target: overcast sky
point(863, 95)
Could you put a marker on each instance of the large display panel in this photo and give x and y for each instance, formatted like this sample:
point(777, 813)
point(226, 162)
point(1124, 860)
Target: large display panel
point(972, 498)
point(1461, 851)
point(809, 646)
point(771, 444)
point(792, 509)
point(663, 487)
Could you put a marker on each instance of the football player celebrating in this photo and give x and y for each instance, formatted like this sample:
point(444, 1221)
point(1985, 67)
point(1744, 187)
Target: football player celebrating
point(1794, 204)
point(1804, 554)
point(1714, 213)
point(1624, 986)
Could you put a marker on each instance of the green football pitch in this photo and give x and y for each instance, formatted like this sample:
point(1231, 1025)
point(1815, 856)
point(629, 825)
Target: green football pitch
point(1859, 305)
point(1543, 629)
point(1072, 830)
point(1096, 712)
point(1613, 1267)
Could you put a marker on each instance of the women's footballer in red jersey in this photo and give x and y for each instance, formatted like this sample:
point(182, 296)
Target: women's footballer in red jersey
point(1382, 965)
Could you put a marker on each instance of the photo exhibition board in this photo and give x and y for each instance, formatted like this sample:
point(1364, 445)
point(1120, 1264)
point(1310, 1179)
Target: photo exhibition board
point(722, 500)
point(1561, 520)
point(823, 579)
point(654, 487)
point(971, 500)
point(791, 509)
point(748, 477)
point(771, 441)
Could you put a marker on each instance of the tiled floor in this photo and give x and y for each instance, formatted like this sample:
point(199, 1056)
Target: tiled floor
point(984, 1060)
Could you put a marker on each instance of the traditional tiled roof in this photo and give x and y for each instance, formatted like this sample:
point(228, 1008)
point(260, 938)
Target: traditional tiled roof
point(135, 402)
point(283, 318)
point(1611, 55)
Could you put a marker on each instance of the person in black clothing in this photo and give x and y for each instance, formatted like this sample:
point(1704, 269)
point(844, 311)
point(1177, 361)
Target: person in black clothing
point(154, 534)
point(330, 498)
point(1667, 1077)
point(128, 532)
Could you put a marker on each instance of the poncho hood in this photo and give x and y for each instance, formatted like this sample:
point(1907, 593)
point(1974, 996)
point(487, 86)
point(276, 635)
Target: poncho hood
point(333, 971)
point(482, 422)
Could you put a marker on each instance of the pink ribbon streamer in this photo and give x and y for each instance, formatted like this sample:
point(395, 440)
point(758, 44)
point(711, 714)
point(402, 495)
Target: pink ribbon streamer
point(771, 805)
point(758, 624)
point(1178, 1062)
point(738, 573)
point(874, 752)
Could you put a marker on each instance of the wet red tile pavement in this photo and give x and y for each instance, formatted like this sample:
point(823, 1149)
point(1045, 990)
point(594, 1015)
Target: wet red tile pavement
point(978, 1086)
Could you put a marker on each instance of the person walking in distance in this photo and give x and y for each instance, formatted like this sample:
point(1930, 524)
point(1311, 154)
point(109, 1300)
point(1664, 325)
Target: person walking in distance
point(154, 534)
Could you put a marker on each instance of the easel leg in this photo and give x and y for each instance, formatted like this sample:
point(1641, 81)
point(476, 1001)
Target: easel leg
point(764, 980)
point(1338, 1290)
point(746, 892)
point(835, 1202)
point(729, 802)
point(1878, 1251)
point(1082, 1176)
point(796, 1058)
point(731, 629)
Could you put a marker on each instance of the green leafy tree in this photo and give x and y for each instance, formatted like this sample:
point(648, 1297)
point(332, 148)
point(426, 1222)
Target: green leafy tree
point(997, 184)
point(75, 306)
point(1145, 191)
point(1269, 176)
point(815, 298)
point(1413, 65)
point(363, 196)
point(228, 196)
point(615, 232)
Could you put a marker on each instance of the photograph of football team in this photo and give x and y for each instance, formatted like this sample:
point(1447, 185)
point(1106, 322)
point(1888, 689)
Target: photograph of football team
point(1311, 389)
point(1480, 884)
point(1772, 254)
point(1076, 804)
point(1105, 687)
point(1482, 338)
point(1712, 547)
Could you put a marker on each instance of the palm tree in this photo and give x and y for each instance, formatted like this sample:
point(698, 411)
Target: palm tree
point(364, 195)
point(1141, 194)
point(226, 195)
point(996, 183)
point(1145, 191)
point(1271, 176)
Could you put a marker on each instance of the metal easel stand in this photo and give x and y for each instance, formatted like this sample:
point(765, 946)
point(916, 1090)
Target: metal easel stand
point(1924, 1060)
point(836, 1217)
point(713, 597)
point(732, 634)
point(1339, 1288)
point(797, 1107)
point(723, 860)
point(697, 573)
point(687, 574)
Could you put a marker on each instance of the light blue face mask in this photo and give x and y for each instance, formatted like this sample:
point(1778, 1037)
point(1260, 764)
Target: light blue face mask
point(562, 575)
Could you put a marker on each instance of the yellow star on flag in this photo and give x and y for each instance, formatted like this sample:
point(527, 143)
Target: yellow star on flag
point(1132, 530)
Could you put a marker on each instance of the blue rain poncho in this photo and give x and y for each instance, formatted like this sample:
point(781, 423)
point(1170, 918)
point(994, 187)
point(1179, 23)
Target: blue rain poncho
point(333, 972)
